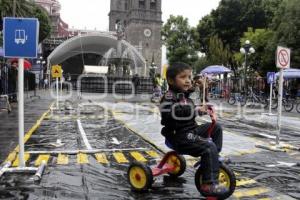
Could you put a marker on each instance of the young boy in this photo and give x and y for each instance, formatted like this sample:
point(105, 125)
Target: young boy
point(180, 129)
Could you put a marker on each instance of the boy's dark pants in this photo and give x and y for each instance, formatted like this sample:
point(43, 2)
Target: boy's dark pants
point(196, 143)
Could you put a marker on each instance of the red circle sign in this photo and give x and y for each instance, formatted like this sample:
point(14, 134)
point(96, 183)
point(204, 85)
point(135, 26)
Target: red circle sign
point(283, 57)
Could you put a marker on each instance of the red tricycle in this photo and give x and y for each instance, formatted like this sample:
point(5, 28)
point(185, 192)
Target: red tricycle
point(140, 176)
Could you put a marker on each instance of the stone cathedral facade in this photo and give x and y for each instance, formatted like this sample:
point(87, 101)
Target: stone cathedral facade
point(142, 21)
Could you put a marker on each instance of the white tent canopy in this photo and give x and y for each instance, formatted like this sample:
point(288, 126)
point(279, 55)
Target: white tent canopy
point(290, 73)
point(97, 43)
point(90, 69)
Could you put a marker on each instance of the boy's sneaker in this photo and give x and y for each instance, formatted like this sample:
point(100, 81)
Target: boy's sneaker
point(213, 189)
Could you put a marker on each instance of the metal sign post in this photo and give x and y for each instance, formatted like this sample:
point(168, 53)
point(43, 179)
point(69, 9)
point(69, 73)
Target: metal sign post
point(21, 110)
point(279, 106)
point(56, 72)
point(270, 99)
point(20, 40)
point(282, 62)
point(270, 80)
point(57, 93)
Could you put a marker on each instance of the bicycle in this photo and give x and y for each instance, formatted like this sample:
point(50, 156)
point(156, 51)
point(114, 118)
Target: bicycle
point(237, 97)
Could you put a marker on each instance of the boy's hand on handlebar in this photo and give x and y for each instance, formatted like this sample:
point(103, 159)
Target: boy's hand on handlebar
point(211, 112)
point(202, 110)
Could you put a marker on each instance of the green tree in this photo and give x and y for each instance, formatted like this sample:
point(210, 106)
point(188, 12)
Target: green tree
point(218, 54)
point(26, 9)
point(263, 59)
point(286, 25)
point(178, 37)
point(232, 18)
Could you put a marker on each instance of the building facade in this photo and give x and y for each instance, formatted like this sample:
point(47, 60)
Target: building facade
point(142, 20)
point(59, 27)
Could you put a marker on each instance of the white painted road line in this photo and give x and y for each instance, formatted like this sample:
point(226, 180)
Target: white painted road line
point(83, 135)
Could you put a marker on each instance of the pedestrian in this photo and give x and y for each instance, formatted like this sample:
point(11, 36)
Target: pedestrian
point(136, 83)
point(181, 131)
point(45, 83)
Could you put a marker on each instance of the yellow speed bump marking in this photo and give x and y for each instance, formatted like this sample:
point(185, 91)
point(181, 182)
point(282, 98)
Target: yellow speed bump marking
point(16, 162)
point(62, 159)
point(152, 154)
point(250, 192)
point(120, 157)
point(138, 156)
point(82, 158)
point(11, 157)
point(101, 158)
point(245, 182)
point(43, 157)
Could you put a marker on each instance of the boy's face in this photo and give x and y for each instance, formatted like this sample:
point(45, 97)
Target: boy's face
point(183, 80)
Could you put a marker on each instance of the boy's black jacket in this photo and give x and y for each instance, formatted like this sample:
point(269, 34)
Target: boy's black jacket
point(177, 113)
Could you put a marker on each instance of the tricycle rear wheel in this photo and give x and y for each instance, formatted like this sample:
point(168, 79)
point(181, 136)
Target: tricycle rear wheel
point(226, 178)
point(139, 176)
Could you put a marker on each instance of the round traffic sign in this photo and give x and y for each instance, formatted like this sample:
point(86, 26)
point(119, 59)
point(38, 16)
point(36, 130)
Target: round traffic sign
point(283, 58)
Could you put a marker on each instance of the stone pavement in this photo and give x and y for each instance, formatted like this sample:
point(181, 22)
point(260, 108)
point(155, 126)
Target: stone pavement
point(33, 109)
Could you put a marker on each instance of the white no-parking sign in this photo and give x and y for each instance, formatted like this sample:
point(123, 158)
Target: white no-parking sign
point(283, 57)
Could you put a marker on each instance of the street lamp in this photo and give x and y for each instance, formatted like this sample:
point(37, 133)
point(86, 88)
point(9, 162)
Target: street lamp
point(246, 49)
point(42, 63)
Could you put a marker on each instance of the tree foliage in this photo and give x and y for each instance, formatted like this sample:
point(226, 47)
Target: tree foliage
point(286, 26)
point(178, 37)
point(26, 9)
point(263, 60)
point(218, 53)
point(232, 18)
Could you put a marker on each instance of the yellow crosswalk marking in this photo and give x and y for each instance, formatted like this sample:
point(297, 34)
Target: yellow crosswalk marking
point(11, 157)
point(42, 157)
point(82, 158)
point(245, 182)
point(250, 192)
point(139, 157)
point(120, 157)
point(16, 162)
point(62, 159)
point(152, 154)
point(101, 158)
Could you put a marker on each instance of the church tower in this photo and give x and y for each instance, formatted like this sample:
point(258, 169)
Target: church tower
point(142, 20)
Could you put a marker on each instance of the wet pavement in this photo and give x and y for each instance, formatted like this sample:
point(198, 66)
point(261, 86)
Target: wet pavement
point(88, 146)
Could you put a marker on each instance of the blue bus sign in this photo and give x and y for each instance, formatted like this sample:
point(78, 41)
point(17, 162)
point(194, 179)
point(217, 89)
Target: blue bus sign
point(271, 77)
point(20, 37)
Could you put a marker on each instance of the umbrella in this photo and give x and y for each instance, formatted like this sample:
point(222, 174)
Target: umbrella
point(290, 73)
point(27, 64)
point(215, 69)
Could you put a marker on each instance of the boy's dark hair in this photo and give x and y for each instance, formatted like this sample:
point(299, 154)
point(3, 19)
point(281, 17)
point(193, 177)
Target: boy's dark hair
point(175, 69)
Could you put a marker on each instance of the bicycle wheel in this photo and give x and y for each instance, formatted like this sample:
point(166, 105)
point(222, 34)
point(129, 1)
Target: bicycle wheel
point(274, 104)
point(242, 100)
point(298, 107)
point(231, 100)
point(288, 105)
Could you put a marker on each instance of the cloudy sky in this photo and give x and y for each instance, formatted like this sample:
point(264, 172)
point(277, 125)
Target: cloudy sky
point(93, 14)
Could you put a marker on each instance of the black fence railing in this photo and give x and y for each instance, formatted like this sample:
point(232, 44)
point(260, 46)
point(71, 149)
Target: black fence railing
point(8, 81)
point(111, 84)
